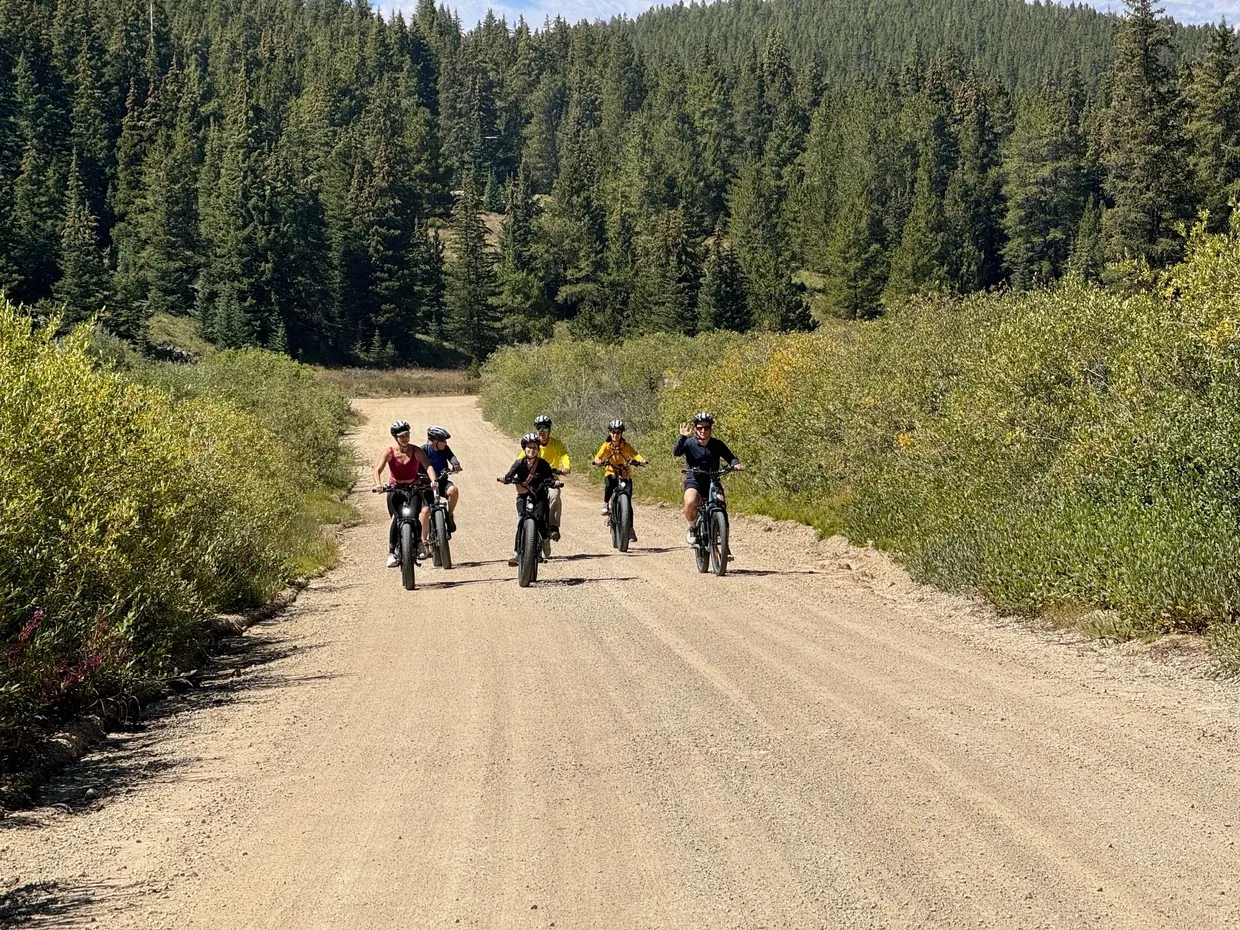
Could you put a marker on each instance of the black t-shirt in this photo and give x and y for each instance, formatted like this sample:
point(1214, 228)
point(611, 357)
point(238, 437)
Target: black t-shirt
point(520, 471)
point(703, 458)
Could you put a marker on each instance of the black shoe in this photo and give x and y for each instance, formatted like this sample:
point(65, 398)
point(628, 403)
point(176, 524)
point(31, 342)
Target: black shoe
point(512, 562)
point(451, 524)
point(632, 534)
point(555, 534)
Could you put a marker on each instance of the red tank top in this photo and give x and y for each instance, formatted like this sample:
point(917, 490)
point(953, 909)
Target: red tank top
point(404, 472)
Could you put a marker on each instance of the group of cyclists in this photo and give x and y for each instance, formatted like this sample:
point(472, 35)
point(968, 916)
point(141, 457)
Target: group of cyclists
point(414, 470)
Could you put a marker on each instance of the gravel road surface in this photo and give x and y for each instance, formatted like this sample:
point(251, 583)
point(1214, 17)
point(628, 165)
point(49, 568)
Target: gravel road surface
point(811, 742)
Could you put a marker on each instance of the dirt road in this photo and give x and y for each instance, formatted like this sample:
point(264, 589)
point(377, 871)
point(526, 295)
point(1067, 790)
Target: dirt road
point(811, 742)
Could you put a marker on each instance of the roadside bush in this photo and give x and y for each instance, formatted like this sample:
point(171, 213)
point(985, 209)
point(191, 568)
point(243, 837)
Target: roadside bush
point(131, 509)
point(1066, 447)
point(584, 385)
point(284, 396)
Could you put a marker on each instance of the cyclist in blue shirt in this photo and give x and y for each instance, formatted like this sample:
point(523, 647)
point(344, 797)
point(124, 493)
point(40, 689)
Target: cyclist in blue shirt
point(445, 462)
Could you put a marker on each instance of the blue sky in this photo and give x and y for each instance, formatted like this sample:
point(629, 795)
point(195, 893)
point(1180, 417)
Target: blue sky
point(1195, 11)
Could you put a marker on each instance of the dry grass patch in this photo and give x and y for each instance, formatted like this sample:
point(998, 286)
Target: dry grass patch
point(397, 382)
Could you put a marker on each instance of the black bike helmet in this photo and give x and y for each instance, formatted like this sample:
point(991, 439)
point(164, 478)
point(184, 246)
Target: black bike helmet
point(703, 417)
point(542, 421)
point(437, 433)
point(616, 425)
point(529, 439)
point(400, 426)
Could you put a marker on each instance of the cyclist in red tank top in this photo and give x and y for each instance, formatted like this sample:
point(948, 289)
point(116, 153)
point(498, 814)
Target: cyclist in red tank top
point(405, 463)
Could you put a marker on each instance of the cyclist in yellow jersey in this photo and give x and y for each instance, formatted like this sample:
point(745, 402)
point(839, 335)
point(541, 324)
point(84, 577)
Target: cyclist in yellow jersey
point(615, 456)
point(555, 455)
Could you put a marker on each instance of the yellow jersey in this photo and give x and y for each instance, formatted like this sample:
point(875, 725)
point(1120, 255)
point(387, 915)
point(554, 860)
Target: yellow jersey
point(616, 456)
point(555, 454)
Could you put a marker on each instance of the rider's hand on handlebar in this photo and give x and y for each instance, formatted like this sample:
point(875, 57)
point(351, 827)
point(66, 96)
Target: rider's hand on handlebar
point(739, 466)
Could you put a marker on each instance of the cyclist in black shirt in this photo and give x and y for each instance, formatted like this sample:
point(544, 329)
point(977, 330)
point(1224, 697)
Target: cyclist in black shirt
point(528, 470)
point(703, 453)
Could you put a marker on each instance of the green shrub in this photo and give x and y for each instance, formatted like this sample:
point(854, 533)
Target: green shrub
point(1070, 447)
point(135, 502)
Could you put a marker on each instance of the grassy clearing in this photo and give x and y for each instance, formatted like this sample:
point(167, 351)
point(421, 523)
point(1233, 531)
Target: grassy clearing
point(1074, 449)
point(178, 332)
point(397, 382)
point(138, 498)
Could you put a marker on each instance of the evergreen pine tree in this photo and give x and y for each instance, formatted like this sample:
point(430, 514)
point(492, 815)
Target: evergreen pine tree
point(472, 321)
point(522, 304)
point(1087, 259)
point(668, 276)
point(426, 265)
point(1143, 147)
point(1214, 126)
point(83, 284)
point(721, 299)
point(1044, 185)
point(89, 135)
point(856, 260)
point(37, 210)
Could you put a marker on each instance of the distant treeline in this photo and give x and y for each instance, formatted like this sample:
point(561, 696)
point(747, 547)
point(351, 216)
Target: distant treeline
point(312, 177)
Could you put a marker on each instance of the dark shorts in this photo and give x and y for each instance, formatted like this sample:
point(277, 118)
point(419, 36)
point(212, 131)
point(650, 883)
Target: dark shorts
point(699, 483)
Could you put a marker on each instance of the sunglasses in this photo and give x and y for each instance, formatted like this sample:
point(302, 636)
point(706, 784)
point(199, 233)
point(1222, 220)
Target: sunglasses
point(702, 426)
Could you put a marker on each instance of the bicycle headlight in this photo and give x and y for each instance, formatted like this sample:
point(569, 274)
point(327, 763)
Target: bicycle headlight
point(406, 511)
point(719, 496)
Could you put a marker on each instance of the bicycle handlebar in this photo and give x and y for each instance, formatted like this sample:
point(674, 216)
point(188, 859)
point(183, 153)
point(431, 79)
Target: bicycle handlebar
point(423, 482)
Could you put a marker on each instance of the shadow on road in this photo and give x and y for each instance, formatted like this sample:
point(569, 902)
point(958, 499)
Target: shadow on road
point(759, 572)
point(49, 904)
point(573, 582)
point(137, 753)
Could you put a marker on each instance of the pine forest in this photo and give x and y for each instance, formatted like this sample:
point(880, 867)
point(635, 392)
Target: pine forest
point(318, 178)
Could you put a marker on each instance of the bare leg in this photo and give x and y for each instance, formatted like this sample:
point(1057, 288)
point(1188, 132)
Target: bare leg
point(692, 497)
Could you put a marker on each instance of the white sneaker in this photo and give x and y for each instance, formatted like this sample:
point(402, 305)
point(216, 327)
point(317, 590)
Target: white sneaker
point(603, 511)
point(690, 537)
point(393, 562)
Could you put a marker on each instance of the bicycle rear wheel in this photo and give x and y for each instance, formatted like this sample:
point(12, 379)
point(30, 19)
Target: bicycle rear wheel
point(701, 552)
point(440, 547)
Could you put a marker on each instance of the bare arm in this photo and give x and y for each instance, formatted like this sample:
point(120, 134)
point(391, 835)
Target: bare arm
point(425, 461)
point(382, 464)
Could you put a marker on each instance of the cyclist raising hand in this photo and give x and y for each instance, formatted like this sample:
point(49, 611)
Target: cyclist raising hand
point(703, 454)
